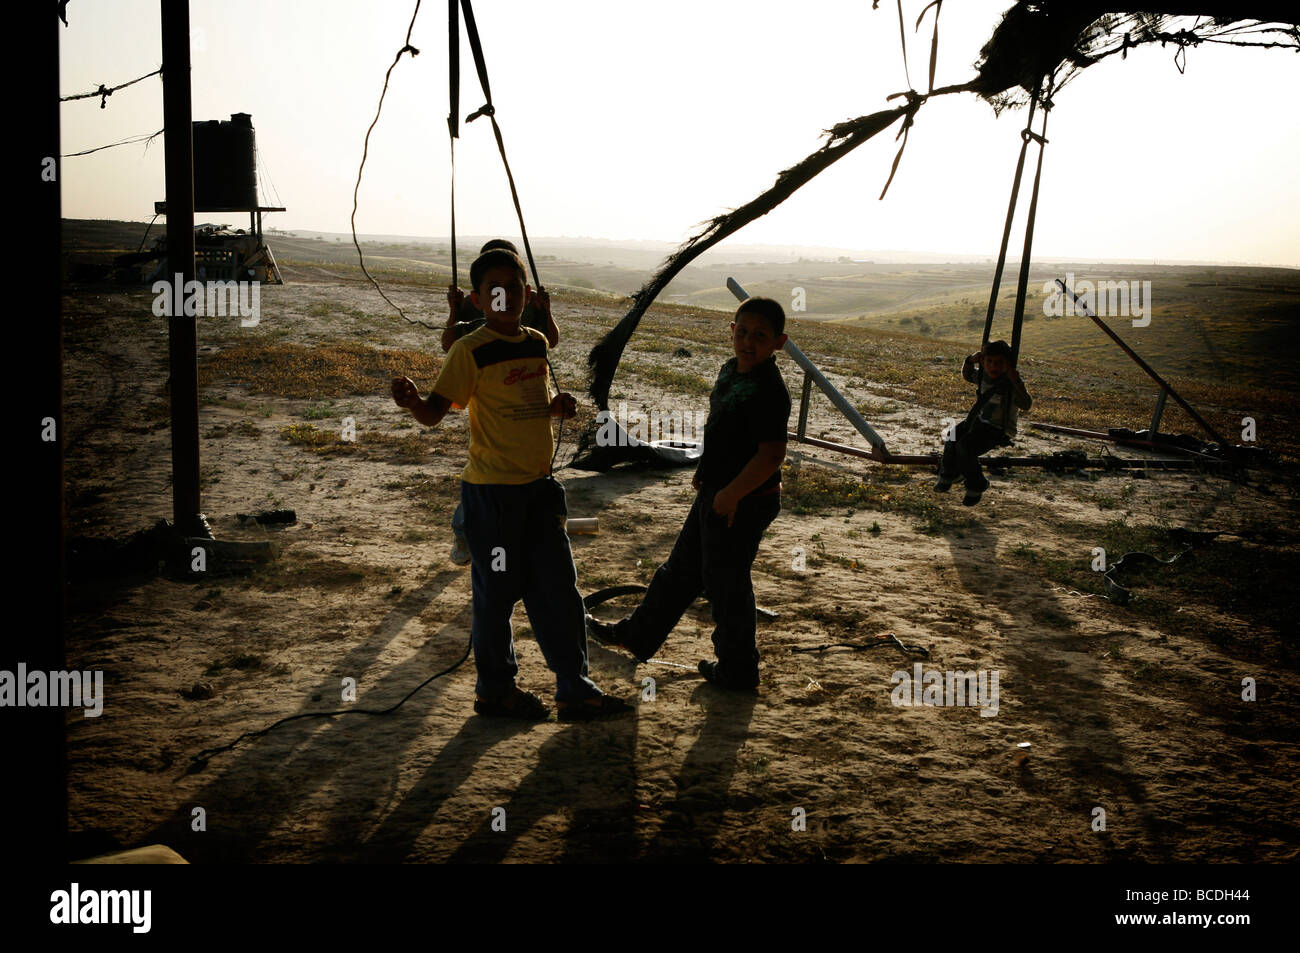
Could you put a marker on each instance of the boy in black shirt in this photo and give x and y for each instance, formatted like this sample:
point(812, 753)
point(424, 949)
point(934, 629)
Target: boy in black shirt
point(739, 494)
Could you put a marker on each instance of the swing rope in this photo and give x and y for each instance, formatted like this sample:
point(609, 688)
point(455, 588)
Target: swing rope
point(489, 110)
point(1027, 135)
point(1021, 289)
point(453, 116)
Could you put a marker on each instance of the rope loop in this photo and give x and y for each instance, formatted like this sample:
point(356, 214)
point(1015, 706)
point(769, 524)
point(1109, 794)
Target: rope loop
point(914, 99)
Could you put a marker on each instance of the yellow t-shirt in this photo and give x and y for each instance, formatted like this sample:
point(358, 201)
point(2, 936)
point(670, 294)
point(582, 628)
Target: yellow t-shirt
point(505, 384)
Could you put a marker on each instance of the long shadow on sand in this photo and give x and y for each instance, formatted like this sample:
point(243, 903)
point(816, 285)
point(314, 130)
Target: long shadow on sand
point(582, 792)
point(266, 782)
point(692, 821)
point(1069, 698)
point(586, 771)
point(394, 840)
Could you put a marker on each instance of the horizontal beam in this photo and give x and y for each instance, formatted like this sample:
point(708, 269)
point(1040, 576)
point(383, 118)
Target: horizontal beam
point(1044, 461)
point(160, 208)
point(1158, 446)
point(837, 447)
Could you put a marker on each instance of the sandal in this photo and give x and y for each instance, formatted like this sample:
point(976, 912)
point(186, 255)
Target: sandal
point(597, 706)
point(517, 704)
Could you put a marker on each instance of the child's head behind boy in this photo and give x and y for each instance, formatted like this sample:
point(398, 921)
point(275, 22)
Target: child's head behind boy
point(757, 332)
point(500, 289)
point(997, 358)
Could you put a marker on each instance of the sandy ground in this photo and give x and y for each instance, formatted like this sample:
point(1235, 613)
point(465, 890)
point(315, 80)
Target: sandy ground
point(1182, 767)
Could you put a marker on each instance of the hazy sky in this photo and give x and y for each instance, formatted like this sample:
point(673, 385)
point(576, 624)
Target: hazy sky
point(628, 120)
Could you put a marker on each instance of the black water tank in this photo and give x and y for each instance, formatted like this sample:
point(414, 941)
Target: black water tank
point(225, 165)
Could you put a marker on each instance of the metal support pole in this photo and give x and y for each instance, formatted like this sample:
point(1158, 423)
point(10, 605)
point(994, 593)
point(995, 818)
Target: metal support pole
point(803, 405)
point(817, 377)
point(836, 398)
point(182, 332)
point(32, 740)
point(1159, 411)
point(1165, 388)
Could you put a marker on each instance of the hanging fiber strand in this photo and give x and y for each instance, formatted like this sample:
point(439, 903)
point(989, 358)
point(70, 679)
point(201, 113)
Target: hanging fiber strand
point(365, 151)
point(842, 139)
point(123, 142)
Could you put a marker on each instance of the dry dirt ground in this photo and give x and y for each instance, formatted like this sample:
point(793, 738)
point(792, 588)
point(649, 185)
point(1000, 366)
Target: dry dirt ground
point(1099, 708)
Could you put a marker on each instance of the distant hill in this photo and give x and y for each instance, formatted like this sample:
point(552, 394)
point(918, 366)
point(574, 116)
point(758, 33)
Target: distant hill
point(1213, 323)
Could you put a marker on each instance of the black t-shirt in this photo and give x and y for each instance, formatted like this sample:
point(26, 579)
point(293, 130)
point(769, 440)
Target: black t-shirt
point(744, 411)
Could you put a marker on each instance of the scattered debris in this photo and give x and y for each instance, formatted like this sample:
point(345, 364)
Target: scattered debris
point(888, 639)
point(198, 691)
point(1119, 594)
point(268, 517)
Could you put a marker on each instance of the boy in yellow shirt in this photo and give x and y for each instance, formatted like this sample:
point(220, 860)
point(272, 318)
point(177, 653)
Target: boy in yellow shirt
point(465, 318)
point(514, 509)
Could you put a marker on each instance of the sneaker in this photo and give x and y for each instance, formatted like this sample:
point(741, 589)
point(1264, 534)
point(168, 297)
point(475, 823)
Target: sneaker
point(973, 493)
point(516, 704)
point(589, 709)
point(603, 632)
point(606, 633)
point(942, 485)
point(710, 672)
point(460, 551)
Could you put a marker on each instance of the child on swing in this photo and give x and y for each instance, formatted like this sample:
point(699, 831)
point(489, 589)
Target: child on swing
point(990, 423)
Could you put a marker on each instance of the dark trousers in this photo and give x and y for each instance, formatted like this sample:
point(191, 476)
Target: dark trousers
point(519, 550)
point(961, 456)
point(714, 558)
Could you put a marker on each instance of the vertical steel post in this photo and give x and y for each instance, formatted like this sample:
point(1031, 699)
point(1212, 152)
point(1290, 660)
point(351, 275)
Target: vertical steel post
point(803, 403)
point(182, 337)
point(1159, 412)
point(32, 741)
